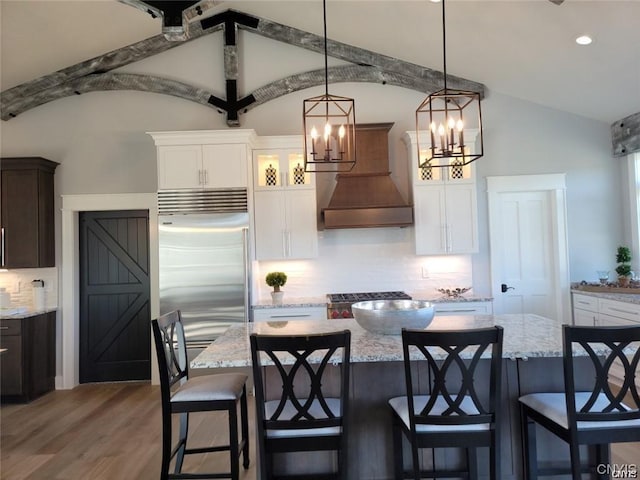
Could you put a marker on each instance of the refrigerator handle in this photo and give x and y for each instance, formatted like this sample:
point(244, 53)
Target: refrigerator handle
point(246, 273)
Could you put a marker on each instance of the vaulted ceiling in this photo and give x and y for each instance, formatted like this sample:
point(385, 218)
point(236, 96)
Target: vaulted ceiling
point(521, 48)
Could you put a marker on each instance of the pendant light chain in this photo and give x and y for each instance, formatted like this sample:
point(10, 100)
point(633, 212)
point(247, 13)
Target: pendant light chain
point(448, 124)
point(329, 125)
point(444, 46)
point(326, 54)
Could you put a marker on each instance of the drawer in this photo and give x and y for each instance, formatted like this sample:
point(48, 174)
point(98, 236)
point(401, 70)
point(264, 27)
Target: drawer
point(289, 313)
point(10, 327)
point(627, 311)
point(585, 302)
point(464, 308)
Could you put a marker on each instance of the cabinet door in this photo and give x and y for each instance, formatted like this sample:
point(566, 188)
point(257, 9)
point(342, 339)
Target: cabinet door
point(224, 166)
point(11, 379)
point(584, 318)
point(180, 167)
point(302, 229)
point(430, 222)
point(270, 225)
point(461, 219)
point(20, 212)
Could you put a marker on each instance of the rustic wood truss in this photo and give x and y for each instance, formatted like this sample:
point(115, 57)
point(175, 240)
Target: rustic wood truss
point(95, 74)
point(625, 135)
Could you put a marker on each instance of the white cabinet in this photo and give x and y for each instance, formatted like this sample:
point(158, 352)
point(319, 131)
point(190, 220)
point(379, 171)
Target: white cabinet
point(585, 310)
point(285, 225)
point(623, 313)
point(445, 206)
point(445, 219)
point(285, 210)
point(482, 307)
point(202, 160)
point(289, 313)
point(591, 310)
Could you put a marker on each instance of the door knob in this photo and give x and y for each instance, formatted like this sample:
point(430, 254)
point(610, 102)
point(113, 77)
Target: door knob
point(504, 288)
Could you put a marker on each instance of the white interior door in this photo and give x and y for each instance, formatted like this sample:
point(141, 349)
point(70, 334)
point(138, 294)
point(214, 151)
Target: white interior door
point(529, 263)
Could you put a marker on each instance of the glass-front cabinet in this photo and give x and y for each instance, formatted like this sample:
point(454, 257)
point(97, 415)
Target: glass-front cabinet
point(445, 204)
point(280, 168)
point(285, 210)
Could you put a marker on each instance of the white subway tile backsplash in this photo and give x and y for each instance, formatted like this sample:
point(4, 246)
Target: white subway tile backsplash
point(18, 284)
point(367, 260)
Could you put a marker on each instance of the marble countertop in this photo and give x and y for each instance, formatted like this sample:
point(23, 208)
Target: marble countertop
point(525, 336)
point(620, 297)
point(25, 313)
point(301, 302)
point(293, 302)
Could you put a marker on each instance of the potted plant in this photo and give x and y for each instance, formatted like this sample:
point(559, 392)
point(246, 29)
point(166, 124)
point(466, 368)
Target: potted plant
point(623, 257)
point(276, 280)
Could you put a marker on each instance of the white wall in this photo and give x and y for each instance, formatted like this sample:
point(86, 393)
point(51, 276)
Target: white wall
point(100, 141)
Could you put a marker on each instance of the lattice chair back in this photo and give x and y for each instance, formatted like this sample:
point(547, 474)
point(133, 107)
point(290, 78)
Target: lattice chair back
point(453, 360)
point(615, 355)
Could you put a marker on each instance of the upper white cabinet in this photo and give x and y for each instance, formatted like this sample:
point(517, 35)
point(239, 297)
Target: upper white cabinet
point(445, 206)
point(285, 211)
point(203, 159)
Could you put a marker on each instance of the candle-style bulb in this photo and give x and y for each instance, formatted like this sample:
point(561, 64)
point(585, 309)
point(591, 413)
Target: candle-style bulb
point(314, 132)
point(327, 131)
point(459, 125)
point(433, 127)
point(451, 123)
point(341, 131)
point(441, 131)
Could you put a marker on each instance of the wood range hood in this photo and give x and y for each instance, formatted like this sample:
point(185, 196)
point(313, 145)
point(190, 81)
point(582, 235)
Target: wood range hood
point(366, 196)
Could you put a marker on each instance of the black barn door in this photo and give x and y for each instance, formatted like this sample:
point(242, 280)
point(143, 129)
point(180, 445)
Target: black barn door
point(115, 338)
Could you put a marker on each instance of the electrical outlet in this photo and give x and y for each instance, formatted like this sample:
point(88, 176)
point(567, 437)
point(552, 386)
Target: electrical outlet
point(425, 272)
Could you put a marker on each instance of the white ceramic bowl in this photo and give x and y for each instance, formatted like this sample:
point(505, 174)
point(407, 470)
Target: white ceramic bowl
point(389, 317)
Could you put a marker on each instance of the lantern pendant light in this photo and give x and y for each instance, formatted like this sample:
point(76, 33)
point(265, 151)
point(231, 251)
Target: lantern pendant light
point(329, 126)
point(449, 123)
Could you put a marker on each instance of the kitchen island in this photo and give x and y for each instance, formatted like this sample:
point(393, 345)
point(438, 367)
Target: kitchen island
point(532, 353)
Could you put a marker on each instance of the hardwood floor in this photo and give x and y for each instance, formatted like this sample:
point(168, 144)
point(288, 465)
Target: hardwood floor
point(99, 432)
point(112, 432)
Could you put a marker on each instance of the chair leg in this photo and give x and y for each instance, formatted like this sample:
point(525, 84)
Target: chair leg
point(529, 450)
point(472, 463)
point(398, 464)
point(574, 452)
point(415, 460)
point(166, 445)
point(603, 455)
point(494, 456)
point(245, 428)
point(233, 442)
point(182, 440)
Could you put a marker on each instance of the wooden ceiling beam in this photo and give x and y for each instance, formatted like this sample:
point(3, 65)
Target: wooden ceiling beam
point(91, 75)
point(625, 135)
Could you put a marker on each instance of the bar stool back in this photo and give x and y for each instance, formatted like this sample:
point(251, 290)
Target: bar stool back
point(294, 412)
point(597, 416)
point(183, 395)
point(452, 413)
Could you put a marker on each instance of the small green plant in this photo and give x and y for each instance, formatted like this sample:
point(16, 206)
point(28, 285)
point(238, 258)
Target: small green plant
point(623, 257)
point(276, 280)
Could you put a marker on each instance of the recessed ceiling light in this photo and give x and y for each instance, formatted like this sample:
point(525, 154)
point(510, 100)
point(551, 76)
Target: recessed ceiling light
point(584, 40)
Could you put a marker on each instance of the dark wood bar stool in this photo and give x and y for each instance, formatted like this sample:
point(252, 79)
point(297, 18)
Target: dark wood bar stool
point(183, 395)
point(293, 411)
point(449, 411)
point(598, 416)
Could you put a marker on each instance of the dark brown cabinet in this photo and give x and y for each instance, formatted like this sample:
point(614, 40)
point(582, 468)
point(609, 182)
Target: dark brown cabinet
point(28, 366)
point(27, 213)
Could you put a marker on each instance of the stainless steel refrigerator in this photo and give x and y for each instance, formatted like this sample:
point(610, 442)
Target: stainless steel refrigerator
point(204, 272)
